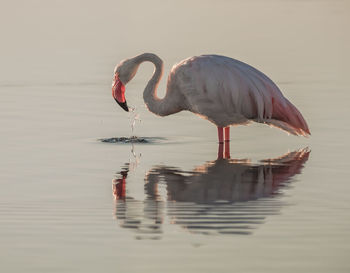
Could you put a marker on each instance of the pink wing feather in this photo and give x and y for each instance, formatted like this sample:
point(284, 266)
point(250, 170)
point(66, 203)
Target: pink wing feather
point(271, 106)
point(287, 117)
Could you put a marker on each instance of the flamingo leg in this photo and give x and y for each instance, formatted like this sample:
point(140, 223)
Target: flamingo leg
point(221, 151)
point(227, 150)
point(221, 135)
point(227, 142)
point(227, 133)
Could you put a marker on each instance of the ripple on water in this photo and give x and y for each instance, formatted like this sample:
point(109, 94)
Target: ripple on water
point(132, 139)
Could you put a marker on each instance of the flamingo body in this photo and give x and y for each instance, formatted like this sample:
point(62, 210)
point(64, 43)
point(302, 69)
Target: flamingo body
point(229, 92)
point(220, 89)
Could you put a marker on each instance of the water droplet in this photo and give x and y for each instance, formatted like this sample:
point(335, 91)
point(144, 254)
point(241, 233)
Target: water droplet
point(135, 117)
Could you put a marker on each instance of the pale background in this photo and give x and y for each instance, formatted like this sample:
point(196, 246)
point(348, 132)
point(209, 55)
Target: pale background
point(56, 65)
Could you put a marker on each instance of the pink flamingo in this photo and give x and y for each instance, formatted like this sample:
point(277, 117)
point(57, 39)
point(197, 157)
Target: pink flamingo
point(222, 90)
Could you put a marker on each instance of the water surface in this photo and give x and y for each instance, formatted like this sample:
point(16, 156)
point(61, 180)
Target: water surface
point(71, 203)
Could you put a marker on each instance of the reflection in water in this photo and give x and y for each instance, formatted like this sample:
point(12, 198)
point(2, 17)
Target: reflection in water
point(225, 196)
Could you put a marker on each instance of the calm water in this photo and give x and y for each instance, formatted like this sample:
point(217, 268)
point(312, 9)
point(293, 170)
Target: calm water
point(72, 203)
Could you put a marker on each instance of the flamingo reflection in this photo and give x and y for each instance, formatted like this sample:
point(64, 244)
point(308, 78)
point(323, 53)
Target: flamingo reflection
point(225, 196)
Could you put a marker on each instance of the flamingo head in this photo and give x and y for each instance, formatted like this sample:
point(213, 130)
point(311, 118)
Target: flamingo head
point(123, 73)
point(118, 92)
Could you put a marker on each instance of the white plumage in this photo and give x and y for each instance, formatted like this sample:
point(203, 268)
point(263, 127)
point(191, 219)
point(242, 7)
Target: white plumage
point(221, 89)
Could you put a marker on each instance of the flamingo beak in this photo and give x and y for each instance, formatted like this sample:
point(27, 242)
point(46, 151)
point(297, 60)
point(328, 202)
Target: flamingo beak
point(118, 92)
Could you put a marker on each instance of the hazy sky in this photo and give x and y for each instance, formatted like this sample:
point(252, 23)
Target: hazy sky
point(37, 37)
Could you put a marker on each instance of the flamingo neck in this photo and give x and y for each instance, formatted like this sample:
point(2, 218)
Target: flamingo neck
point(159, 106)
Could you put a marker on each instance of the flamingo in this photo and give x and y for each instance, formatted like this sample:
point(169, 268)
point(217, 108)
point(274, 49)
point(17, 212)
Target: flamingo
point(220, 89)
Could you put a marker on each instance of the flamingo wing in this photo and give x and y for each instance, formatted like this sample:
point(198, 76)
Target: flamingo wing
point(227, 92)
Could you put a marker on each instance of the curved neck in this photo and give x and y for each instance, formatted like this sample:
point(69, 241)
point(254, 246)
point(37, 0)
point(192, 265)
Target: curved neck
point(162, 107)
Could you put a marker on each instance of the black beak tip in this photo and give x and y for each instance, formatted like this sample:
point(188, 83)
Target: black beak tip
point(123, 105)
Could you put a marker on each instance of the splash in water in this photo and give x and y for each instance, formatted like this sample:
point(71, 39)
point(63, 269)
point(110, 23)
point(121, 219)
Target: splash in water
point(135, 117)
point(133, 163)
point(132, 139)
